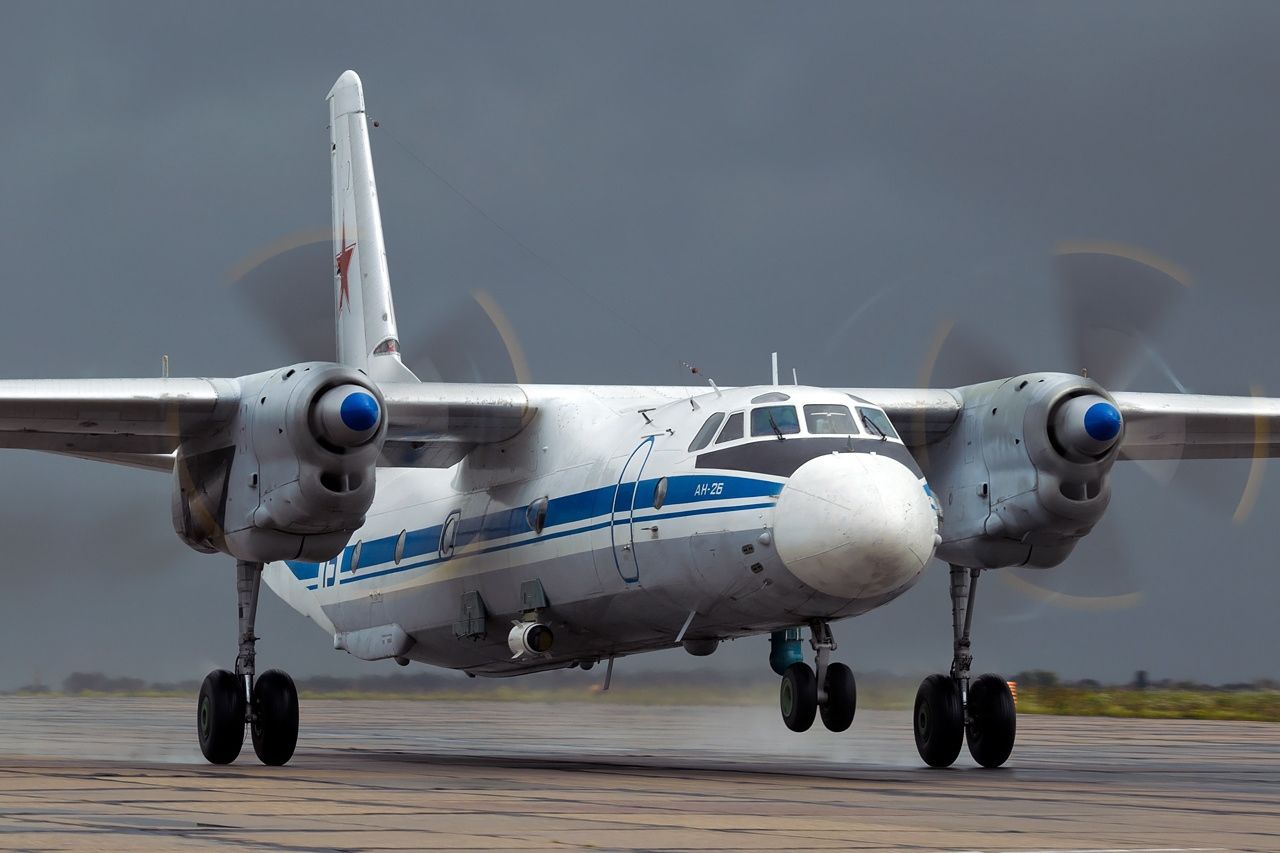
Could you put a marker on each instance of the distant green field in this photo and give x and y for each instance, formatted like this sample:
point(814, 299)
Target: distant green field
point(1152, 703)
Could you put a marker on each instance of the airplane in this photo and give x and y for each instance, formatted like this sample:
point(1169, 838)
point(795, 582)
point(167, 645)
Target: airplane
point(509, 528)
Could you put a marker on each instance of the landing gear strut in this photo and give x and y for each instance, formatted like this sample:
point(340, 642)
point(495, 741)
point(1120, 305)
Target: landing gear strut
point(949, 709)
point(830, 690)
point(229, 700)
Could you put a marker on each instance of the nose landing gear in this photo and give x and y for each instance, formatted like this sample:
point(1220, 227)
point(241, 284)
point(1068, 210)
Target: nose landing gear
point(831, 690)
point(949, 709)
point(227, 701)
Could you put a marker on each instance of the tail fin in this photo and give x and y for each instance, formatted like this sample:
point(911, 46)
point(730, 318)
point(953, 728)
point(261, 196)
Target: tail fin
point(366, 318)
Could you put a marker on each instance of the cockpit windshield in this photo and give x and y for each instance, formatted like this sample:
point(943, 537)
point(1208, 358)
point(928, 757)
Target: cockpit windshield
point(777, 421)
point(876, 422)
point(829, 419)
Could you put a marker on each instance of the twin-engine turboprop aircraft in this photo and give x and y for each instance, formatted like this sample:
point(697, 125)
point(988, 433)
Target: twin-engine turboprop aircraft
point(506, 529)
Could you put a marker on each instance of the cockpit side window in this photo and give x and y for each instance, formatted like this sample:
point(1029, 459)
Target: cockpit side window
point(876, 422)
point(732, 429)
point(774, 420)
point(829, 419)
point(704, 436)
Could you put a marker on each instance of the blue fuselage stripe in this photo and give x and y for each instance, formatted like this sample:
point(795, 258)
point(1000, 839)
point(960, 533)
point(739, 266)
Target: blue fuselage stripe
point(611, 500)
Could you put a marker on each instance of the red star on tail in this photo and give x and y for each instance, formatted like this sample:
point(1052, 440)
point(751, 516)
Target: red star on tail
point(343, 259)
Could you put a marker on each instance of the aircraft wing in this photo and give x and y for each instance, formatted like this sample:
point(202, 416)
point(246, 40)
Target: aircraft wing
point(1198, 426)
point(145, 416)
point(1157, 426)
point(436, 424)
point(141, 422)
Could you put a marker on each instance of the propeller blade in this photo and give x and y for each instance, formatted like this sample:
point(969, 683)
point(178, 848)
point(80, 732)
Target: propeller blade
point(475, 342)
point(1227, 487)
point(960, 356)
point(1114, 298)
point(1098, 576)
point(288, 288)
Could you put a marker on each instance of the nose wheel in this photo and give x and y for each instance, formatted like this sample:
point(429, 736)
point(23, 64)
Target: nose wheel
point(830, 691)
point(228, 700)
point(950, 710)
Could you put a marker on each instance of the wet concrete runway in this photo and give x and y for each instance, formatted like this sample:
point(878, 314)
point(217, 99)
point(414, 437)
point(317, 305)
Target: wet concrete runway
point(114, 774)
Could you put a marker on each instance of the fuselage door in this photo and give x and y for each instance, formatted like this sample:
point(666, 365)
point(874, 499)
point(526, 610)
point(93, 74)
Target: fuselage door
point(622, 530)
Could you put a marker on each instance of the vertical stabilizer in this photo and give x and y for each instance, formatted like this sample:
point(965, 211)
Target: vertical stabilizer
point(366, 318)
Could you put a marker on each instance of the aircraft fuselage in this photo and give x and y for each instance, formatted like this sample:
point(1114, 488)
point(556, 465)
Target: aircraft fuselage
point(628, 531)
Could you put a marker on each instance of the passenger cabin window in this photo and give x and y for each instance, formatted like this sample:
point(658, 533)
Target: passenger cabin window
point(826, 419)
point(876, 422)
point(732, 429)
point(774, 420)
point(708, 431)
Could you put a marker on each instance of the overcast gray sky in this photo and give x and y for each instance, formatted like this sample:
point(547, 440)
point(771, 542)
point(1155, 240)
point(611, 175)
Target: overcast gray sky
point(726, 179)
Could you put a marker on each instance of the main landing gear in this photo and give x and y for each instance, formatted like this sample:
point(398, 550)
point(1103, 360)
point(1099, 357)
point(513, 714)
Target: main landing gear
point(949, 708)
point(227, 701)
point(805, 693)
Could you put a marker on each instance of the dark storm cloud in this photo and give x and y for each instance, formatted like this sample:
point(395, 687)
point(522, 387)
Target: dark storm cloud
point(724, 180)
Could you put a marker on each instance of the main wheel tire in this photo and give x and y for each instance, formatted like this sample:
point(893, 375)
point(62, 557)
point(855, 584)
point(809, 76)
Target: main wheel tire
point(220, 717)
point(842, 698)
point(993, 720)
point(798, 697)
point(275, 718)
point(939, 721)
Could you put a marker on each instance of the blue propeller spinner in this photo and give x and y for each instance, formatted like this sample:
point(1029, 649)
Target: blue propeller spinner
point(359, 412)
point(1102, 421)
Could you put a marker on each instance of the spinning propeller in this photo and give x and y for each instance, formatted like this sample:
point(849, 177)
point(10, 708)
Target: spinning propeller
point(288, 287)
point(1113, 299)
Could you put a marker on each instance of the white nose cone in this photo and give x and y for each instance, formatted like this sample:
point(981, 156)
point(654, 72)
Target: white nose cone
point(855, 525)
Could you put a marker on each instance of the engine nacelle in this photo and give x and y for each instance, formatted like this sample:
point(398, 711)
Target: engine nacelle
point(1025, 473)
point(299, 477)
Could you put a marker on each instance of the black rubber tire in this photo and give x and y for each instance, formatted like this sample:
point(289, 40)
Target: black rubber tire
point(939, 721)
point(842, 698)
point(275, 718)
point(993, 720)
point(220, 717)
point(798, 697)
